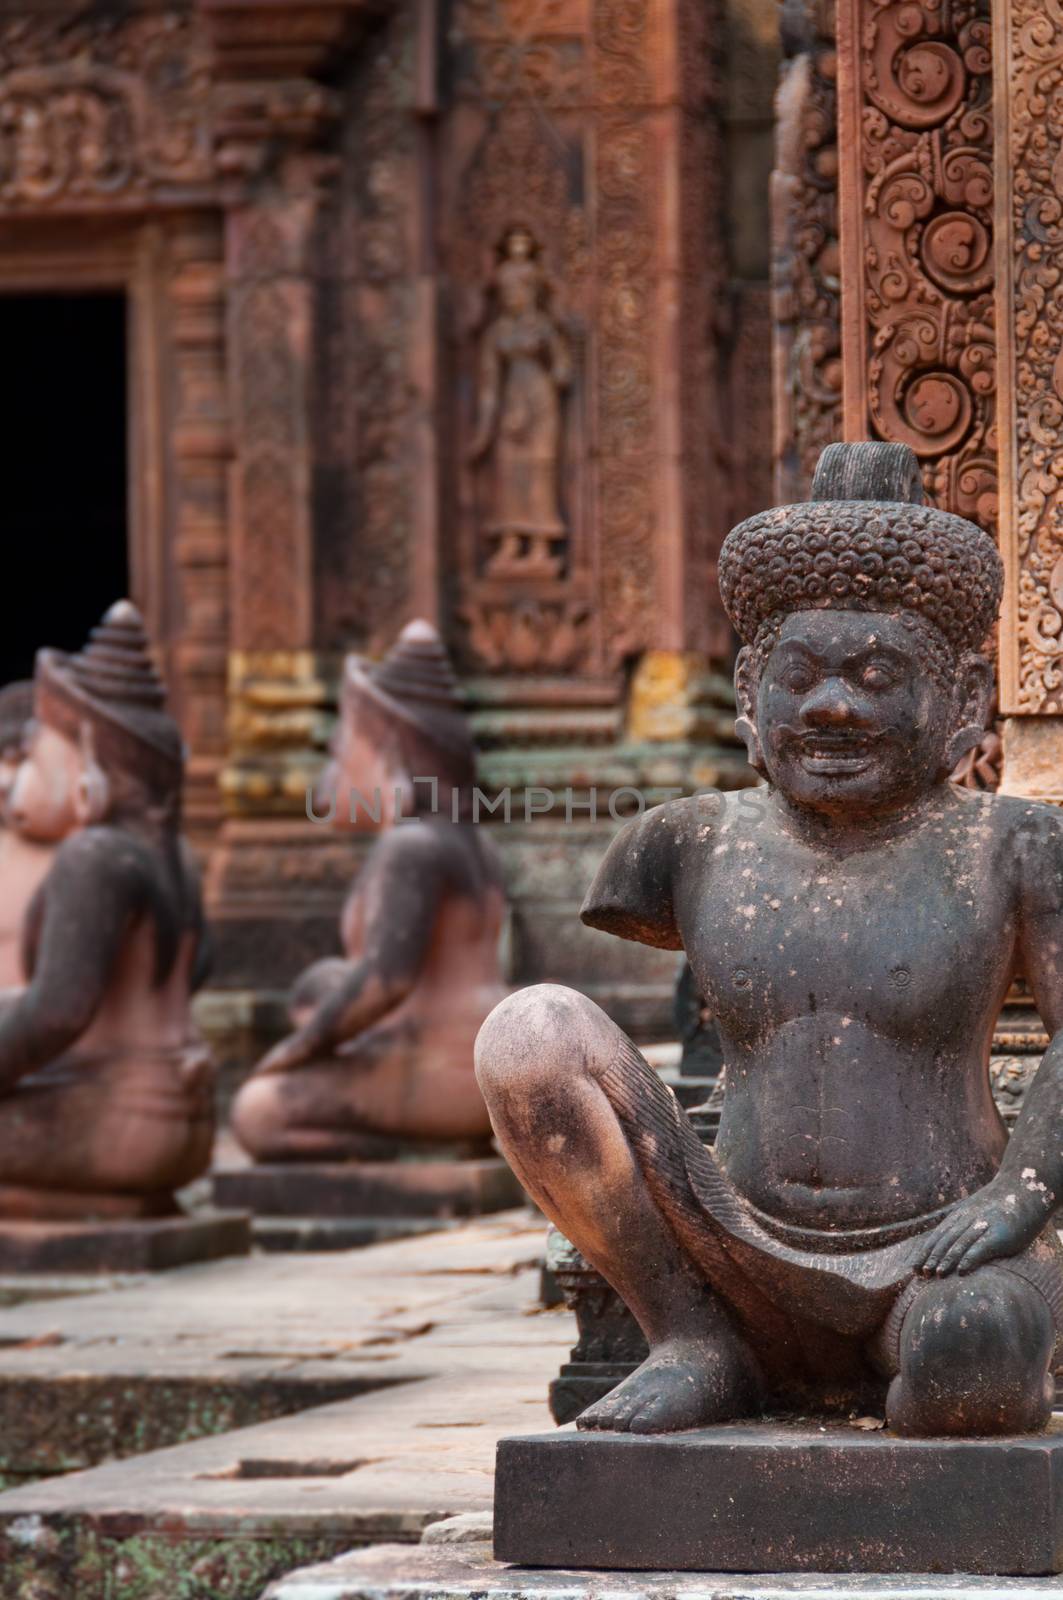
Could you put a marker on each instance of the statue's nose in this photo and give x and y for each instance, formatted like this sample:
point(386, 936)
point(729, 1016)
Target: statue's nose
point(831, 704)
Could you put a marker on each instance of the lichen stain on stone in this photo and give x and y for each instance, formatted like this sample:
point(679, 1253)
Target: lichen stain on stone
point(29, 1531)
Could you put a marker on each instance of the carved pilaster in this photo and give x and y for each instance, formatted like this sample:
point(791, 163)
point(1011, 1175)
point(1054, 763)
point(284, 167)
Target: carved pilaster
point(201, 447)
point(581, 174)
point(1028, 50)
point(916, 135)
point(280, 175)
point(806, 283)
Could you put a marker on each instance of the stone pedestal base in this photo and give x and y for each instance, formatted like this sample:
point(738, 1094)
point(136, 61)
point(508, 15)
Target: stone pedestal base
point(314, 1206)
point(139, 1245)
point(782, 1498)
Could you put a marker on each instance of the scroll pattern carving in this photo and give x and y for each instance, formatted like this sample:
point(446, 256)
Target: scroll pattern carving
point(93, 112)
point(920, 358)
point(806, 282)
point(1029, 40)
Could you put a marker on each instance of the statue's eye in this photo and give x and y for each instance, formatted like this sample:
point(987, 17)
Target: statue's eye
point(797, 677)
point(877, 676)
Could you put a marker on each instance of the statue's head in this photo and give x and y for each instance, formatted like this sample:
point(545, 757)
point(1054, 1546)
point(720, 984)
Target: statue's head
point(862, 613)
point(16, 715)
point(400, 721)
point(102, 747)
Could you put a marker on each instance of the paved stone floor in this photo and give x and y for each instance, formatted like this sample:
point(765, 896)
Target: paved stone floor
point(437, 1344)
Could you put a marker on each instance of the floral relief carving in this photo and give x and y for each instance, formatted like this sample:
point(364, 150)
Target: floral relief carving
point(1030, 38)
point(530, 635)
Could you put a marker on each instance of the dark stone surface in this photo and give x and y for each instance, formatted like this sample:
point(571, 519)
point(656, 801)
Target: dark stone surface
point(140, 1245)
point(782, 1498)
point(385, 1189)
point(698, 1034)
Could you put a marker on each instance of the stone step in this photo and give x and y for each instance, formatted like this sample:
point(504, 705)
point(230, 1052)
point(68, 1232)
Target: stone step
point(468, 1572)
point(450, 1321)
point(370, 1189)
point(141, 1244)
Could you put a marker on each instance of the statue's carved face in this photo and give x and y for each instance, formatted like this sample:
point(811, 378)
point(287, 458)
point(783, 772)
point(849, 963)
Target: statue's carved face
point(43, 801)
point(849, 719)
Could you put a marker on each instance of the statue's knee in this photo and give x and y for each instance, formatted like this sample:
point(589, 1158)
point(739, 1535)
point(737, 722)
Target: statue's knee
point(974, 1356)
point(991, 1317)
point(254, 1115)
point(537, 1034)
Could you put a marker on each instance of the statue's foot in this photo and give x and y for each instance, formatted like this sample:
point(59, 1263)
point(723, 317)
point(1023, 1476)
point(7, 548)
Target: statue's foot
point(684, 1383)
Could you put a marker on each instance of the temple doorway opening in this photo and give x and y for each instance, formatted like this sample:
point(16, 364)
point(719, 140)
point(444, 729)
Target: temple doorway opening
point(65, 468)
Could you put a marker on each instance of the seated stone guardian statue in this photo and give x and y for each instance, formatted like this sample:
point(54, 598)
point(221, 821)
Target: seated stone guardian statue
point(106, 1090)
point(865, 1233)
point(382, 1042)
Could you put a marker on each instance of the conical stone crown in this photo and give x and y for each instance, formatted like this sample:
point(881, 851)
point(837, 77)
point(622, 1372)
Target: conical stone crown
point(116, 665)
point(112, 685)
point(417, 672)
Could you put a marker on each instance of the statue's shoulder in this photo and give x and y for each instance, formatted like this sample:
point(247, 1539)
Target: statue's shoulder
point(103, 851)
point(1024, 822)
point(1032, 831)
point(100, 865)
point(413, 846)
point(632, 894)
point(1026, 840)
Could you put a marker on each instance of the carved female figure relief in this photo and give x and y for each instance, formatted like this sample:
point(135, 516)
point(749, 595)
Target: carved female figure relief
point(525, 367)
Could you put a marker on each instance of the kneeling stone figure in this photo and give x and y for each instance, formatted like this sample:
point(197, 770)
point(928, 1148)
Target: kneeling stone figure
point(864, 1232)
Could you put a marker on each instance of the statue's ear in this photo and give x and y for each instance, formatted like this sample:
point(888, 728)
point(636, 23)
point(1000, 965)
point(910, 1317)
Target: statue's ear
point(973, 698)
point(746, 698)
point(92, 790)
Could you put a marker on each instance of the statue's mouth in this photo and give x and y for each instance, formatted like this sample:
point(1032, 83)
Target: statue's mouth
point(831, 754)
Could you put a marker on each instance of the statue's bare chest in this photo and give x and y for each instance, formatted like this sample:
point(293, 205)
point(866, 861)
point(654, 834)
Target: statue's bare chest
point(896, 940)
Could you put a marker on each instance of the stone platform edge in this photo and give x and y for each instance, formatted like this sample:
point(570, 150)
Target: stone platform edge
point(154, 1244)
